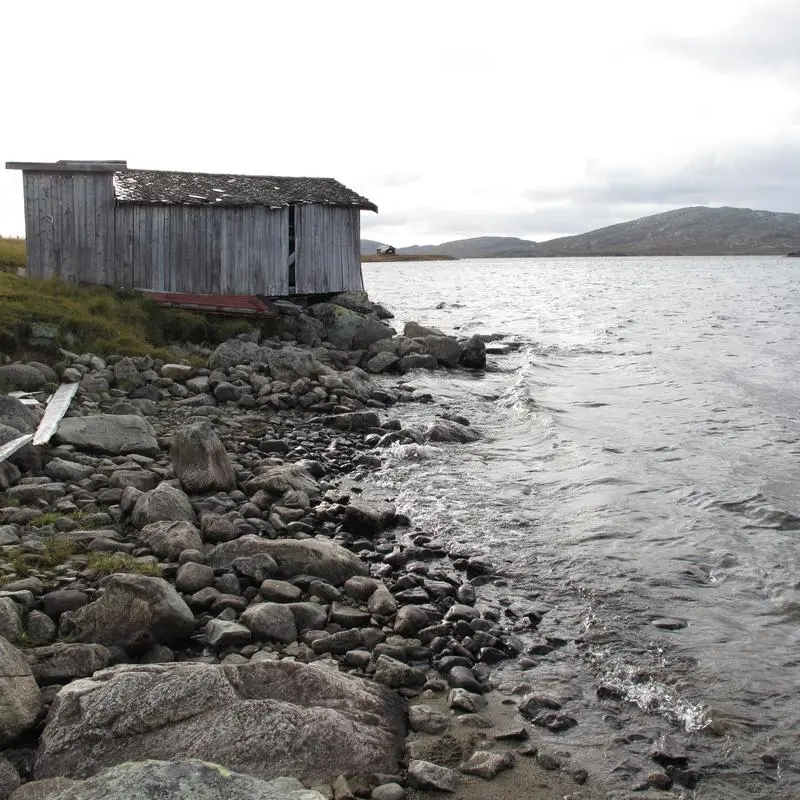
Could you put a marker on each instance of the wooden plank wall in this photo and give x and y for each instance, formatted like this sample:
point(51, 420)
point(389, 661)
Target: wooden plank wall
point(75, 230)
point(328, 249)
point(203, 249)
point(69, 225)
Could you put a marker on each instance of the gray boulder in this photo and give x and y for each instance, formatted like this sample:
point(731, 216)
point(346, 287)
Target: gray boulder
point(416, 361)
point(117, 434)
point(270, 621)
point(236, 351)
point(445, 430)
point(20, 699)
point(290, 363)
point(381, 362)
point(284, 478)
point(318, 557)
point(165, 502)
point(134, 612)
point(265, 719)
point(179, 780)
point(473, 353)
point(200, 460)
point(445, 349)
point(425, 775)
point(413, 330)
point(63, 662)
point(17, 415)
point(169, 539)
point(368, 517)
point(224, 554)
point(28, 457)
point(23, 377)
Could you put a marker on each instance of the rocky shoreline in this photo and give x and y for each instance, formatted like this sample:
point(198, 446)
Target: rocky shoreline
point(191, 575)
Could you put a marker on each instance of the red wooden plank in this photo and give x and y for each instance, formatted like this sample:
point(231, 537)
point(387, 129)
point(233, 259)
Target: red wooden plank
point(216, 303)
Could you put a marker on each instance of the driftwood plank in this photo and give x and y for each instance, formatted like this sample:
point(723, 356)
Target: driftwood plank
point(54, 413)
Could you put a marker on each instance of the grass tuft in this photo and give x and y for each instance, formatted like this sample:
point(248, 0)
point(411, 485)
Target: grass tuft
point(109, 563)
point(12, 254)
point(44, 519)
point(14, 558)
point(57, 550)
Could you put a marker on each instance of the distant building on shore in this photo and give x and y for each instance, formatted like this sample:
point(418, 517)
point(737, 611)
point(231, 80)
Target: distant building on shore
point(98, 222)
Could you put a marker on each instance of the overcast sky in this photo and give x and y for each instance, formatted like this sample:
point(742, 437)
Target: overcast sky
point(535, 119)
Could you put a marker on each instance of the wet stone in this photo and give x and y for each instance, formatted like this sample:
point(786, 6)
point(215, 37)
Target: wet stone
point(462, 700)
point(462, 678)
point(486, 764)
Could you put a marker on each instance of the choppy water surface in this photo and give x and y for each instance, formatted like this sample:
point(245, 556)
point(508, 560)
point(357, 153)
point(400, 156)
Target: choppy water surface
point(640, 459)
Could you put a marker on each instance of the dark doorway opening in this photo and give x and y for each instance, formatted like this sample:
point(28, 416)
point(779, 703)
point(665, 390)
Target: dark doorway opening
point(292, 270)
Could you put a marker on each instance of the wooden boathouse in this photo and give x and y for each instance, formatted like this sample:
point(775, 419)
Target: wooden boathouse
point(98, 222)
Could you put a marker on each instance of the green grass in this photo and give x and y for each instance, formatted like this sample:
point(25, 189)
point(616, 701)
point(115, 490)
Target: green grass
point(14, 558)
point(101, 320)
point(44, 519)
point(109, 563)
point(57, 550)
point(12, 254)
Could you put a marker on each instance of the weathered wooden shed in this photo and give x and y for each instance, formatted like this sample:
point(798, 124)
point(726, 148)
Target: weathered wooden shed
point(99, 222)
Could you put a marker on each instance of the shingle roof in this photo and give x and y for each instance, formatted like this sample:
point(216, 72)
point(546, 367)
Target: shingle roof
point(206, 189)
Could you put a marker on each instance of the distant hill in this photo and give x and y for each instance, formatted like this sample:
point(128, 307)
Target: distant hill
point(369, 247)
point(686, 231)
point(478, 247)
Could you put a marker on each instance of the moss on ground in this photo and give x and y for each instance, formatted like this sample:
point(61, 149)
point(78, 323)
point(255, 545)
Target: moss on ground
point(109, 563)
point(12, 254)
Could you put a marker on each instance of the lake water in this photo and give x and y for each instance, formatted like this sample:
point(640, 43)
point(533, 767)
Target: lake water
point(639, 460)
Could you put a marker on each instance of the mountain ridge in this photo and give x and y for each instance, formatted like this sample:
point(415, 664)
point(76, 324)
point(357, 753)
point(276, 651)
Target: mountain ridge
point(693, 230)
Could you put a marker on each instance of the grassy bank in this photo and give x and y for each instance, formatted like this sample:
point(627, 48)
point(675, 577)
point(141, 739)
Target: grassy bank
point(99, 320)
point(405, 257)
point(12, 254)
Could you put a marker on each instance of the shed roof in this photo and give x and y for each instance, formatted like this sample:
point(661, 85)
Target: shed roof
point(207, 189)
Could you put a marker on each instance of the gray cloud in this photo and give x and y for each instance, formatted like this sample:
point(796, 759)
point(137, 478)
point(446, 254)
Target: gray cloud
point(763, 176)
point(766, 39)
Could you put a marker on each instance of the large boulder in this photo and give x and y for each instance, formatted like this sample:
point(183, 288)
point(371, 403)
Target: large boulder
point(17, 415)
point(179, 780)
point(20, 699)
point(236, 351)
point(22, 376)
point(445, 430)
point(445, 349)
point(27, 458)
point(116, 434)
point(165, 502)
point(200, 460)
point(473, 353)
point(169, 539)
point(265, 719)
point(290, 363)
point(413, 330)
point(318, 557)
point(134, 612)
point(368, 517)
point(284, 478)
point(348, 329)
point(65, 661)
